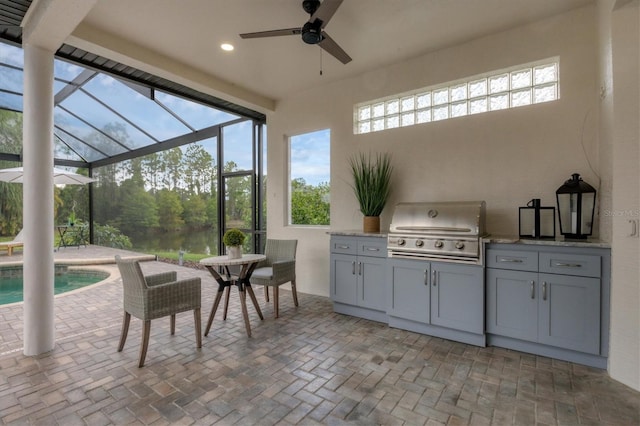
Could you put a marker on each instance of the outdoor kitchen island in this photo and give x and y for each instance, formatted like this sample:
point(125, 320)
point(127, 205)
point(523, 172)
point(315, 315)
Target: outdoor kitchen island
point(543, 297)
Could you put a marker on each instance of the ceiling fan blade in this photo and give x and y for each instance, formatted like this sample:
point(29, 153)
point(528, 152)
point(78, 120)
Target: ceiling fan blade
point(325, 11)
point(273, 33)
point(332, 48)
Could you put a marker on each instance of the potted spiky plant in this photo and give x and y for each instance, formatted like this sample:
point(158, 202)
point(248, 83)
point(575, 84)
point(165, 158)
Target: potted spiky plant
point(372, 186)
point(233, 240)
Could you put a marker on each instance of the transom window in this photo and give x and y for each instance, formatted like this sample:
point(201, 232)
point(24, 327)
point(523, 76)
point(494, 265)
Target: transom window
point(522, 85)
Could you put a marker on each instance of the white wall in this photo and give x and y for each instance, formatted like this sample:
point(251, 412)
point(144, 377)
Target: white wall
point(620, 116)
point(503, 157)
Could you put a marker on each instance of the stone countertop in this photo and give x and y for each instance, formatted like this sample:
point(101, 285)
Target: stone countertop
point(357, 233)
point(493, 239)
point(559, 242)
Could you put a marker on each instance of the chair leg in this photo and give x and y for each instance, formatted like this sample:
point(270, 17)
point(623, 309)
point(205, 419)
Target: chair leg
point(125, 330)
point(266, 293)
point(173, 324)
point(276, 301)
point(145, 342)
point(197, 319)
point(294, 292)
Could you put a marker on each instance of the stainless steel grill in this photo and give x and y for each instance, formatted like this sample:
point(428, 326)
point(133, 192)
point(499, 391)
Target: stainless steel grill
point(444, 231)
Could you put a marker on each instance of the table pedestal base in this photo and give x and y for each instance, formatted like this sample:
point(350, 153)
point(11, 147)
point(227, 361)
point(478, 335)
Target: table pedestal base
point(244, 287)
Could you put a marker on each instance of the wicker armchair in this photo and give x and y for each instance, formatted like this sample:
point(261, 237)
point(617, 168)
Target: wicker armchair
point(156, 296)
point(279, 268)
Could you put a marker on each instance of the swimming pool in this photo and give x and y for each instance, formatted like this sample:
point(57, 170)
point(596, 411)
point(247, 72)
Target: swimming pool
point(65, 280)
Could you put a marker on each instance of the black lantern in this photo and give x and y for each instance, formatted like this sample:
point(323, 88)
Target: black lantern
point(536, 221)
point(576, 207)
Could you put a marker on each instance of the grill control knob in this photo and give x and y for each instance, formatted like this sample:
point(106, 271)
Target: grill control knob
point(401, 242)
point(438, 244)
point(419, 243)
point(459, 245)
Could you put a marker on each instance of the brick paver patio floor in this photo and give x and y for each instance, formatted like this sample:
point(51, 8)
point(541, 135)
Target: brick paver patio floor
point(310, 366)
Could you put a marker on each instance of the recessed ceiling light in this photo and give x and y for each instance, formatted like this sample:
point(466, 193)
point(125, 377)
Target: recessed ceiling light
point(226, 47)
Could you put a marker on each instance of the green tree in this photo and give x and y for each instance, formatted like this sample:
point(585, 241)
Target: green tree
point(10, 193)
point(172, 169)
point(170, 210)
point(152, 170)
point(106, 192)
point(237, 198)
point(309, 204)
point(137, 207)
point(195, 211)
point(199, 169)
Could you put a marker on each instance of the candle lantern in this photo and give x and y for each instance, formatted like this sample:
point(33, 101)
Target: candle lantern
point(576, 207)
point(536, 221)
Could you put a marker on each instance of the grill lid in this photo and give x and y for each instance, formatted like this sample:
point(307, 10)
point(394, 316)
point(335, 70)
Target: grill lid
point(455, 218)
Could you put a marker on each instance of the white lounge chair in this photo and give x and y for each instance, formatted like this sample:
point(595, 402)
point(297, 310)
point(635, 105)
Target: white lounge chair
point(10, 245)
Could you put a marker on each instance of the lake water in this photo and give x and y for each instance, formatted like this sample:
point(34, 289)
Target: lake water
point(191, 241)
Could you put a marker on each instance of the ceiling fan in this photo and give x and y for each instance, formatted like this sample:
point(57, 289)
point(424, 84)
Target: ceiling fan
point(313, 30)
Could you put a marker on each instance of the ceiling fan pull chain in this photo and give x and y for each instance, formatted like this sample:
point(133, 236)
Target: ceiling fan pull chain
point(320, 61)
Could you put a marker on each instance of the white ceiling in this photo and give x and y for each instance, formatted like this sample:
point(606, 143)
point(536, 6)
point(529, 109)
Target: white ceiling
point(373, 32)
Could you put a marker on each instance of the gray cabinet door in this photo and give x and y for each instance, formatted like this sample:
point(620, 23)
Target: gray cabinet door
point(512, 304)
point(371, 283)
point(570, 312)
point(457, 297)
point(344, 281)
point(409, 290)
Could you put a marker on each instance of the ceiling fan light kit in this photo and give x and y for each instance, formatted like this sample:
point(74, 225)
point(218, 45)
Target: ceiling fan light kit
point(313, 30)
point(312, 33)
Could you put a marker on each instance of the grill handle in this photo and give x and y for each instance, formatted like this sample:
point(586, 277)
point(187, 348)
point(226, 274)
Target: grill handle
point(431, 228)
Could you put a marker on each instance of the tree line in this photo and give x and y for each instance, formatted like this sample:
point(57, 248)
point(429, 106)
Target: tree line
point(165, 191)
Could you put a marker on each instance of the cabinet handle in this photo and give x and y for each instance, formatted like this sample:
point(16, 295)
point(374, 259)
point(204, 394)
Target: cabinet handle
point(353, 268)
point(544, 290)
point(343, 247)
point(373, 249)
point(567, 265)
point(426, 277)
point(359, 268)
point(533, 289)
point(506, 260)
point(433, 277)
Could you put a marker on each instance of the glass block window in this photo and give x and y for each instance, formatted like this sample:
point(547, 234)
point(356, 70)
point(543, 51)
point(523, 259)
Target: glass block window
point(517, 86)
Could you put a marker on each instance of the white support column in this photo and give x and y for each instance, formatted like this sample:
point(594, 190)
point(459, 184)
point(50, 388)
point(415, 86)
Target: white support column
point(39, 330)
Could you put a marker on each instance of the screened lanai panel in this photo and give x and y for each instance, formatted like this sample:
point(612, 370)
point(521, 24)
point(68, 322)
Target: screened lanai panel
point(10, 101)
point(10, 79)
point(83, 152)
point(91, 136)
point(196, 115)
point(140, 110)
point(11, 55)
point(100, 117)
point(237, 145)
point(63, 150)
point(65, 71)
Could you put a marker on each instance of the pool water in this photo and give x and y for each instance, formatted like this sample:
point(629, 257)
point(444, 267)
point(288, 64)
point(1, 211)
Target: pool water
point(65, 280)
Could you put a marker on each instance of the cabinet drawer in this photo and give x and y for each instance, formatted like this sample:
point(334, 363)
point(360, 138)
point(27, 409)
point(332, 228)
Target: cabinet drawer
point(570, 264)
point(344, 245)
point(375, 247)
point(510, 259)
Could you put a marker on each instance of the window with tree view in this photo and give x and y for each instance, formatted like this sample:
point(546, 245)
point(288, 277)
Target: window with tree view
point(309, 156)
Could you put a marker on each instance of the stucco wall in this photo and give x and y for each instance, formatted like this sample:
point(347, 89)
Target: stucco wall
point(504, 157)
point(623, 18)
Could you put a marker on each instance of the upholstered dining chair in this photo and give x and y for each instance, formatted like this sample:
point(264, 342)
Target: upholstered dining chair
point(278, 268)
point(156, 296)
